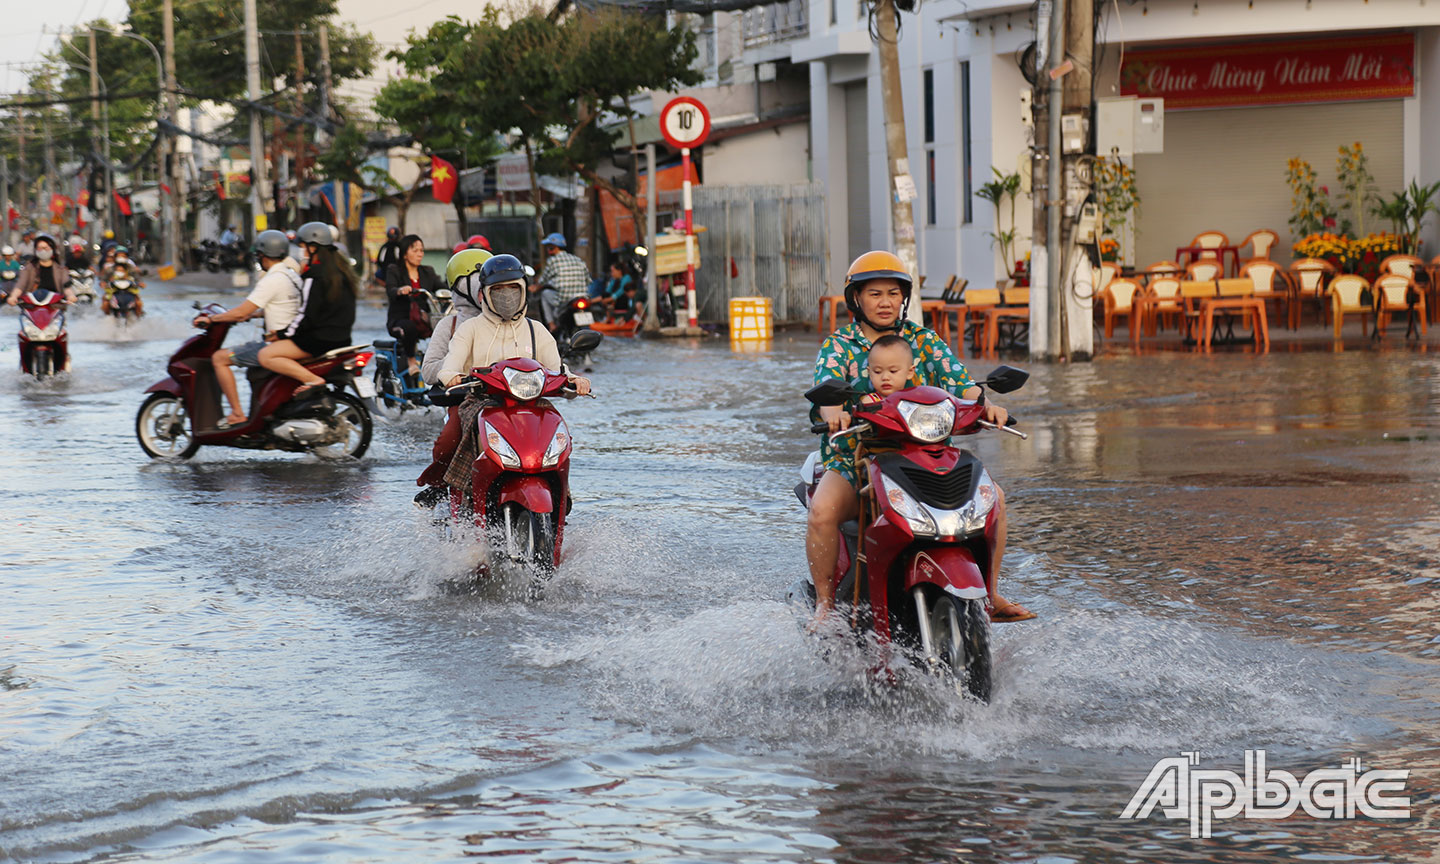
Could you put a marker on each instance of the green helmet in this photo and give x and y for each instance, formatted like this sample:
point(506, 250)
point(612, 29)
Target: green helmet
point(462, 264)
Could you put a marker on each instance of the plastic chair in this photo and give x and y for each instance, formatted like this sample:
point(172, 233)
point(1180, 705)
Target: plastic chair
point(1308, 281)
point(1260, 243)
point(1204, 270)
point(1164, 268)
point(1119, 299)
point(1346, 298)
point(1404, 265)
point(1210, 240)
point(1393, 293)
point(1269, 282)
point(1166, 302)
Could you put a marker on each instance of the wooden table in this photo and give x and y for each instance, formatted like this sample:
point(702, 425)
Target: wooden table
point(1194, 253)
point(993, 317)
point(1253, 305)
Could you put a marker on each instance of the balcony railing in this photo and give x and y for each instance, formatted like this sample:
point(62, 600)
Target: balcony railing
point(778, 22)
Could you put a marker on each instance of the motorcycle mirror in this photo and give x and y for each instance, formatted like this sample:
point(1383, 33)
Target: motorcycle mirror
point(831, 391)
point(586, 340)
point(1006, 379)
point(529, 271)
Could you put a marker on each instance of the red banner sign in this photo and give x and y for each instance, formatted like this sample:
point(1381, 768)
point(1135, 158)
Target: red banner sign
point(1273, 73)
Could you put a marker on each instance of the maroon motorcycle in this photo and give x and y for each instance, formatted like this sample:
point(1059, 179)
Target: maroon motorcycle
point(44, 342)
point(926, 527)
point(183, 411)
point(519, 490)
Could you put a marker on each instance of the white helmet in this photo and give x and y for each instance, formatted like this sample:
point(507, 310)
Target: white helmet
point(7, 250)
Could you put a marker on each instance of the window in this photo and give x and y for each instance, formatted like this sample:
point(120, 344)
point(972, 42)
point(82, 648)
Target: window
point(834, 11)
point(967, 188)
point(929, 104)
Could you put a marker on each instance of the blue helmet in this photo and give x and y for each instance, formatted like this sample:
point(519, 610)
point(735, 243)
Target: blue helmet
point(554, 239)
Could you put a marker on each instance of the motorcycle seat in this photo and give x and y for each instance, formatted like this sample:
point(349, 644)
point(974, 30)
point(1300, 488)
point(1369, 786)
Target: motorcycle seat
point(384, 344)
point(348, 349)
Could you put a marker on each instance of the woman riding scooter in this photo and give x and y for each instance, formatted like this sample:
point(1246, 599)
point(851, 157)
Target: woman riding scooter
point(877, 292)
point(46, 271)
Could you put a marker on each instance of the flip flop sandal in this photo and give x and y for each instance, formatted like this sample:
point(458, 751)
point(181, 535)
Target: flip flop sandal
point(228, 424)
point(305, 391)
point(1010, 613)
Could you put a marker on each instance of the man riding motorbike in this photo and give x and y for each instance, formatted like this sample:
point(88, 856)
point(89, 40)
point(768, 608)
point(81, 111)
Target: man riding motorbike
point(276, 297)
point(878, 291)
point(10, 265)
point(500, 332)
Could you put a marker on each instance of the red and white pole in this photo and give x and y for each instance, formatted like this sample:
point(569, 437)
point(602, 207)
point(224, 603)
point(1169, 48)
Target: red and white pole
point(689, 237)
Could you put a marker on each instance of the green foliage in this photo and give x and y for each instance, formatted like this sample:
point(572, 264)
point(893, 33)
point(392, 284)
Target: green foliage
point(1310, 209)
point(1407, 211)
point(346, 160)
point(1115, 186)
point(530, 83)
point(1003, 187)
point(1352, 168)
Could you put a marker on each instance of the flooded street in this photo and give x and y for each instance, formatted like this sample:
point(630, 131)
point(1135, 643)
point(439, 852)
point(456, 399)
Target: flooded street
point(263, 657)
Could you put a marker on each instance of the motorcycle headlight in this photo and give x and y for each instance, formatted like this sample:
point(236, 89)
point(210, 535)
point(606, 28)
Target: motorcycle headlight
point(525, 385)
point(497, 444)
point(929, 423)
point(920, 522)
point(31, 331)
point(557, 446)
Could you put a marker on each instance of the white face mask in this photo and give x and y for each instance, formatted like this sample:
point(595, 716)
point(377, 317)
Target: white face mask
point(507, 301)
point(44, 253)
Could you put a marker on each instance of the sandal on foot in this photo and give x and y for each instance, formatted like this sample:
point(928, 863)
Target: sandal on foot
point(1009, 613)
point(305, 391)
point(227, 423)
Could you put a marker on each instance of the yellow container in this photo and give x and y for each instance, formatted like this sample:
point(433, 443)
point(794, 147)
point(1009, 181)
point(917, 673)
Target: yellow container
point(166, 273)
point(750, 318)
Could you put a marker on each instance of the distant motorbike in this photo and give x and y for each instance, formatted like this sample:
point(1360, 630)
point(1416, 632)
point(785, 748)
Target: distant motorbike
point(926, 527)
point(183, 411)
point(122, 296)
point(44, 342)
point(82, 282)
point(519, 493)
point(7, 279)
point(443, 302)
point(215, 256)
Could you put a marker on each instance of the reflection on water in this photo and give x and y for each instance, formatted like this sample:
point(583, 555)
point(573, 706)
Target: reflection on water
point(260, 657)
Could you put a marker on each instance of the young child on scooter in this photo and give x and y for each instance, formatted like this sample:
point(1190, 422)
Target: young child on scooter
point(891, 367)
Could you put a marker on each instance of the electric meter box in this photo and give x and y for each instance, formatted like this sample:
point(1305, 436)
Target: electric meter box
point(1149, 125)
point(1074, 133)
point(1115, 126)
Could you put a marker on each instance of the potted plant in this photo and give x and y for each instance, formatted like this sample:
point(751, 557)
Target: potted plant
point(997, 191)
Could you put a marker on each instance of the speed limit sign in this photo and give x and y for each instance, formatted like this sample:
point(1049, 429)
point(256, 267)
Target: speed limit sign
point(684, 122)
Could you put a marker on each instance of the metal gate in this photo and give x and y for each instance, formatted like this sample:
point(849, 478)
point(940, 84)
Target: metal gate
point(761, 241)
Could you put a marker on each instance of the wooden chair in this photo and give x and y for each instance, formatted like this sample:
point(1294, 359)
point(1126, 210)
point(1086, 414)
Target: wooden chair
point(1260, 243)
point(1394, 293)
point(1269, 282)
point(1208, 240)
point(1308, 278)
point(1119, 298)
point(1345, 293)
point(1204, 270)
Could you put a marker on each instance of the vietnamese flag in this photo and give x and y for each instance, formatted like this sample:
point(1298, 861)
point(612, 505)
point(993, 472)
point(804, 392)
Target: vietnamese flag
point(123, 204)
point(443, 180)
point(14, 217)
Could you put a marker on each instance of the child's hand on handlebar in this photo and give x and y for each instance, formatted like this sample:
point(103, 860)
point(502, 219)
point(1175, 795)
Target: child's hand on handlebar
point(995, 414)
point(836, 417)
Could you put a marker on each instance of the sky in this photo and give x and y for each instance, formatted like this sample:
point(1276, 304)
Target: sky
point(23, 40)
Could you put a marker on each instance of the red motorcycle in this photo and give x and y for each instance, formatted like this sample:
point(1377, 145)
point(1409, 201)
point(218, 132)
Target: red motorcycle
point(927, 526)
point(183, 411)
point(44, 342)
point(519, 490)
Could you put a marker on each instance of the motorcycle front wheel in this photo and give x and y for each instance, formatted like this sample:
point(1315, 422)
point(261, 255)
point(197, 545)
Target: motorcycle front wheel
point(163, 429)
point(353, 419)
point(529, 538)
point(389, 401)
point(961, 631)
point(42, 364)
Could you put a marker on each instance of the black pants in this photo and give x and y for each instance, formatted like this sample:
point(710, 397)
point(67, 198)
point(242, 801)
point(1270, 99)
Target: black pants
point(407, 335)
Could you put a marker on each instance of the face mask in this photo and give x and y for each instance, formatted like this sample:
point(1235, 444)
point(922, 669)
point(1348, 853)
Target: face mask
point(44, 254)
point(507, 301)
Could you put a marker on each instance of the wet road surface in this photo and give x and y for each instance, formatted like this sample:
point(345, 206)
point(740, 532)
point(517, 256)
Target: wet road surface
point(264, 657)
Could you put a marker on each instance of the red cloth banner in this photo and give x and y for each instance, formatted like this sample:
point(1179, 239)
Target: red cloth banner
point(14, 217)
point(123, 204)
point(1273, 73)
point(443, 179)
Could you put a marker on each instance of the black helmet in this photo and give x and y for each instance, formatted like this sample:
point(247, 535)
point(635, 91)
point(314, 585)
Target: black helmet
point(316, 233)
point(502, 268)
point(272, 244)
point(392, 232)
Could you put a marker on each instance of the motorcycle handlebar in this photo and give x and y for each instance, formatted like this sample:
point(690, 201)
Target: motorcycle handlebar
point(819, 428)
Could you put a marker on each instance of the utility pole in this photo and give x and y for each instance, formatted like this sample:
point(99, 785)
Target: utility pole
point(259, 219)
point(49, 158)
point(4, 199)
point(299, 171)
point(24, 198)
point(652, 297)
point(1054, 189)
point(1076, 319)
point(901, 183)
point(321, 136)
point(1040, 304)
point(172, 108)
point(95, 226)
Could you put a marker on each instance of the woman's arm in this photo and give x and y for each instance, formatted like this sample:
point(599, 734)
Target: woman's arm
point(457, 358)
point(437, 350)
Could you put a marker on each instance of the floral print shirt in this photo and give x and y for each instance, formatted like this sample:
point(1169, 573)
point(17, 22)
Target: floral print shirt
point(845, 354)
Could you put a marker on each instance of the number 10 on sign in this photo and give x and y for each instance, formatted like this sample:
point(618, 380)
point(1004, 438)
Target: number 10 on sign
point(685, 124)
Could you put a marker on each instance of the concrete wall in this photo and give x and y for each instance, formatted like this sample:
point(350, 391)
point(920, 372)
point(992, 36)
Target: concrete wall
point(776, 155)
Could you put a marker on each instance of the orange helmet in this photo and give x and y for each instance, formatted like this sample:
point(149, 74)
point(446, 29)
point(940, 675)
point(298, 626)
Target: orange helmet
point(876, 264)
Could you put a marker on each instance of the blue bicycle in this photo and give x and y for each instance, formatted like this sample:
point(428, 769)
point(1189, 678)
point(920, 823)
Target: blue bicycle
point(396, 391)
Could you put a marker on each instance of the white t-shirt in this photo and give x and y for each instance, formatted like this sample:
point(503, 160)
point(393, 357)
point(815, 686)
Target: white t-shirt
point(278, 294)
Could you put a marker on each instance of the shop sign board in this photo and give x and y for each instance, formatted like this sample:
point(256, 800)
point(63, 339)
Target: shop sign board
point(1232, 75)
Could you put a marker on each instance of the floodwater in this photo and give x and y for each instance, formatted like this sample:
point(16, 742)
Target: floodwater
point(256, 657)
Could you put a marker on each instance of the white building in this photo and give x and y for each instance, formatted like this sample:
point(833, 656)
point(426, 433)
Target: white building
point(1222, 167)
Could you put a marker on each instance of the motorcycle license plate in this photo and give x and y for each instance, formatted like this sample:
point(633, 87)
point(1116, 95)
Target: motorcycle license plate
point(584, 319)
point(365, 387)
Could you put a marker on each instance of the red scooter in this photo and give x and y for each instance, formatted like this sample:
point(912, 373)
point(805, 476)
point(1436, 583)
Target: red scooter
point(519, 490)
point(183, 411)
point(927, 527)
point(44, 342)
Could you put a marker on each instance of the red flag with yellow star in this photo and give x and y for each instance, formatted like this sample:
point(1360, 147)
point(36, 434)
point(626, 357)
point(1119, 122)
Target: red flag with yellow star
point(443, 179)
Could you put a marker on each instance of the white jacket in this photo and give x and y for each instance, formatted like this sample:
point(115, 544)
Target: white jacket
point(439, 344)
point(486, 339)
